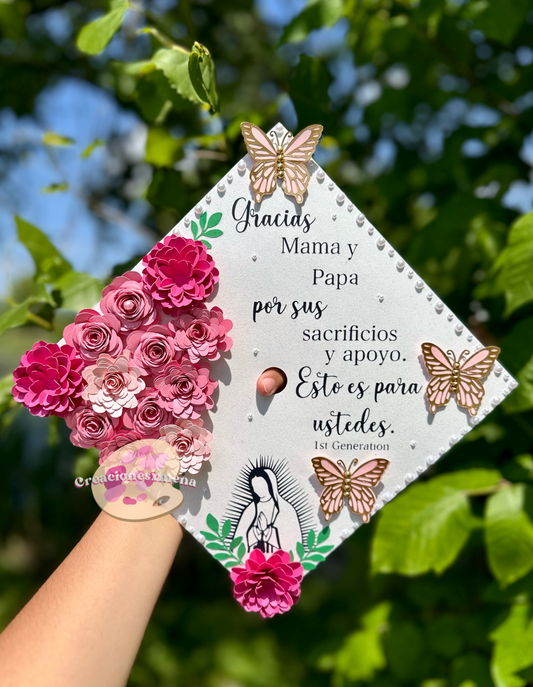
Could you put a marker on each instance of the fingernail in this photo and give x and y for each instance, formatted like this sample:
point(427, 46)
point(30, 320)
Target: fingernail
point(268, 385)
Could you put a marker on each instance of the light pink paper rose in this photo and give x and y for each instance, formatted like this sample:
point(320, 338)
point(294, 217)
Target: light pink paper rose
point(112, 385)
point(48, 380)
point(202, 333)
point(149, 415)
point(90, 428)
point(267, 585)
point(126, 300)
point(178, 272)
point(116, 441)
point(191, 441)
point(92, 334)
point(153, 349)
point(185, 389)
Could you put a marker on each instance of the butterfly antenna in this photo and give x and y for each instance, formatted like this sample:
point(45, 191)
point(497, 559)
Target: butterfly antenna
point(353, 464)
point(451, 355)
point(340, 463)
point(287, 133)
point(464, 355)
point(273, 135)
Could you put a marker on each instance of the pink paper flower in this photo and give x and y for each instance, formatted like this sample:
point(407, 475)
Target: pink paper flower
point(268, 585)
point(116, 441)
point(152, 349)
point(177, 272)
point(149, 415)
point(126, 299)
point(92, 334)
point(203, 333)
point(185, 389)
point(191, 441)
point(90, 428)
point(48, 380)
point(112, 384)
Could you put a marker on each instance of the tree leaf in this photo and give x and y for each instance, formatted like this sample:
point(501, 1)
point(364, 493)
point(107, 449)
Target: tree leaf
point(514, 265)
point(426, 527)
point(94, 37)
point(174, 64)
point(202, 75)
point(315, 15)
point(79, 290)
point(49, 262)
point(15, 316)
point(513, 646)
point(55, 188)
point(300, 550)
point(214, 220)
point(308, 89)
point(226, 527)
point(500, 21)
point(509, 533)
point(50, 138)
point(235, 543)
point(323, 535)
point(162, 150)
point(310, 539)
point(6, 396)
point(212, 523)
point(213, 233)
point(98, 143)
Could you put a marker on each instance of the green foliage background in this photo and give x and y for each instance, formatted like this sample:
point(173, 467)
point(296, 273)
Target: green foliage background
point(438, 590)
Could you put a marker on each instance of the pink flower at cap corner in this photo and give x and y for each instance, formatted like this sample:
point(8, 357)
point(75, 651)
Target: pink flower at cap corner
point(126, 299)
point(148, 416)
point(112, 384)
point(152, 349)
point(178, 272)
point(185, 389)
point(202, 333)
point(48, 380)
point(191, 441)
point(92, 334)
point(90, 429)
point(267, 585)
point(116, 441)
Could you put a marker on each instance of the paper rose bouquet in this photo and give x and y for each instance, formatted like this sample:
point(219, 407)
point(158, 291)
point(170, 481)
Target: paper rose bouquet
point(137, 368)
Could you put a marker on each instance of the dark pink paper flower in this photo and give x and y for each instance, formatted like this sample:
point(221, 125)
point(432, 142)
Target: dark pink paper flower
point(92, 334)
point(149, 415)
point(202, 333)
point(112, 384)
point(126, 299)
point(185, 389)
point(48, 380)
point(152, 349)
point(90, 428)
point(191, 441)
point(177, 272)
point(267, 585)
point(116, 441)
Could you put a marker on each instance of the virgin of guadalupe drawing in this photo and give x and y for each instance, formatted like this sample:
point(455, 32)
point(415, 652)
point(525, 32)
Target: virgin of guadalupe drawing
point(268, 518)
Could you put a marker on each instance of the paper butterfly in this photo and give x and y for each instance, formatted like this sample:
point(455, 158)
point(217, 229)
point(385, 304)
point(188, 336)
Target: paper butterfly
point(280, 160)
point(351, 483)
point(457, 376)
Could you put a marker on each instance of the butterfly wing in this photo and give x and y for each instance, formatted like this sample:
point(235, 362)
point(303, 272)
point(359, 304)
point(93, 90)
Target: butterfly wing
point(362, 499)
point(470, 390)
point(438, 364)
point(263, 175)
point(299, 151)
point(331, 477)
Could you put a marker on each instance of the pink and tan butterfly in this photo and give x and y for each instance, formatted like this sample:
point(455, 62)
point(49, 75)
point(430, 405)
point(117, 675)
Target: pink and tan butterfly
point(460, 376)
point(285, 159)
point(353, 483)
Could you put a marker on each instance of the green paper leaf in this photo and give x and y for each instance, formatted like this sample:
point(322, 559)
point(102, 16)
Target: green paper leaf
point(230, 564)
point(222, 556)
point(215, 546)
point(308, 565)
point(323, 535)
point(235, 543)
point(291, 554)
point(300, 550)
point(318, 558)
point(50, 138)
point(212, 523)
point(94, 37)
point(324, 549)
point(509, 533)
point(241, 551)
point(426, 527)
point(15, 316)
point(202, 75)
point(213, 233)
point(226, 527)
point(206, 244)
point(310, 539)
point(209, 536)
point(214, 220)
point(203, 220)
point(194, 229)
point(49, 263)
